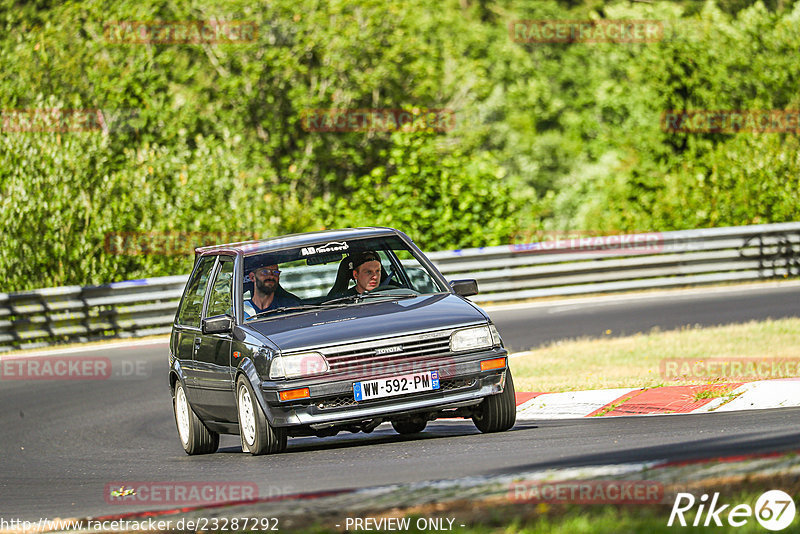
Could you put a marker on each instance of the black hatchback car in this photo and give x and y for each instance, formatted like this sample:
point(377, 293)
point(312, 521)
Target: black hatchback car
point(313, 334)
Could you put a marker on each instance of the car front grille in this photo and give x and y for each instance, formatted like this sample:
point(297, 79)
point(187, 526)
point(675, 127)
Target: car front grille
point(332, 403)
point(391, 356)
point(449, 385)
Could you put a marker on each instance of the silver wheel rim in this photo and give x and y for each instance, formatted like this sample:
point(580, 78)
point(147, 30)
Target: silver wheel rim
point(246, 417)
point(182, 414)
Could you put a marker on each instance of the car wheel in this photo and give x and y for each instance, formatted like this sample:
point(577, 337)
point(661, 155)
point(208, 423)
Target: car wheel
point(497, 412)
point(258, 437)
point(409, 426)
point(194, 436)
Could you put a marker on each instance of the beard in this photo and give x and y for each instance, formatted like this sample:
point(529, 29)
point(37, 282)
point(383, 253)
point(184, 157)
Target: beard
point(262, 286)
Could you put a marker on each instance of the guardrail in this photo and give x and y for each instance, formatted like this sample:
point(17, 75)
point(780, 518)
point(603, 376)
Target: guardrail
point(559, 267)
point(629, 262)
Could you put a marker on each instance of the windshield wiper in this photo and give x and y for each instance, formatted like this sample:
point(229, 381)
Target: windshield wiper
point(339, 300)
point(379, 292)
point(358, 297)
point(284, 309)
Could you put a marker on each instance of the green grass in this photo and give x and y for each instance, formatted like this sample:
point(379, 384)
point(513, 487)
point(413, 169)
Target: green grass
point(713, 393)
point(611, 407)
point(634, 361)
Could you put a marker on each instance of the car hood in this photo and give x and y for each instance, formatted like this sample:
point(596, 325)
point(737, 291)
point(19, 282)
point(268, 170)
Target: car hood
point(368, 320)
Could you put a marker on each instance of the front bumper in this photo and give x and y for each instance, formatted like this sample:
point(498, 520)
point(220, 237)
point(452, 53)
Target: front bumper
point(332, 402)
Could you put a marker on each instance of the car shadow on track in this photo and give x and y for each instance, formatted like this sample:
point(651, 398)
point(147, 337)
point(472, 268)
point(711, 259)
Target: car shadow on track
point(384, 434)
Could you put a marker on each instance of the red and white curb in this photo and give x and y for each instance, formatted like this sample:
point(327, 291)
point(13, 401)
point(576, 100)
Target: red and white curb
point(760, 395)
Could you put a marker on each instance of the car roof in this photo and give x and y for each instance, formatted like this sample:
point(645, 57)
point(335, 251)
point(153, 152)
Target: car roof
point(246, 248)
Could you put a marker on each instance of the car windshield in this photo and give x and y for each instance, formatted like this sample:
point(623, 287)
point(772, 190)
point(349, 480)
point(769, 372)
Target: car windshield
point(339, 273)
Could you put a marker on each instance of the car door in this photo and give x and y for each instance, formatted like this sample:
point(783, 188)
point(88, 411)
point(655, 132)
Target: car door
point(187, 321)
point(212, 360)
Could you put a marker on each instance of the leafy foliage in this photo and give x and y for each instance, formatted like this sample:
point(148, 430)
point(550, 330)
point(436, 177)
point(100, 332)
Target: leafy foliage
point(207, 140)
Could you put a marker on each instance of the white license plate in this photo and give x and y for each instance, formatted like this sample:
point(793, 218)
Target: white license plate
point(396, 385)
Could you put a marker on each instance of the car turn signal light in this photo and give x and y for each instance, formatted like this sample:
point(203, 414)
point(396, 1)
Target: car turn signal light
point(294, 394)
point(496, 363)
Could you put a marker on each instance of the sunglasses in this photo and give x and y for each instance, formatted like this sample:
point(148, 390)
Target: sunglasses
point(265, 272)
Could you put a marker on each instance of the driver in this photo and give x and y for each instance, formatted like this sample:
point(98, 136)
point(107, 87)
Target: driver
point(267, 292)
point(366, 272)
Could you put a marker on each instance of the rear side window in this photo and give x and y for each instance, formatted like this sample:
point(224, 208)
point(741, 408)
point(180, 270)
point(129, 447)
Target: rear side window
point(192, 302)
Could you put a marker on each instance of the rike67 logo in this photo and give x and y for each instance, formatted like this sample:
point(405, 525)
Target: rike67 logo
point(774, 510)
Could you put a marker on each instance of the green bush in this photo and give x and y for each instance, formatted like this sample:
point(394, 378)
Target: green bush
point(205, 142)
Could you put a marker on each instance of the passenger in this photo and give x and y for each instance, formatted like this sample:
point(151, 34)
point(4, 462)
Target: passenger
point(267, 292)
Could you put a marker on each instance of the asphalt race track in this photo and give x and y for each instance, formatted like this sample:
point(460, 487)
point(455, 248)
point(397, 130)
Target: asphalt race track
point(64, 441)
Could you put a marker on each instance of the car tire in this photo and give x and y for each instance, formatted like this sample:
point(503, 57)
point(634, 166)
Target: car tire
point(195, 437)
point(409, 426)
point(258, 436)
point(497, 413)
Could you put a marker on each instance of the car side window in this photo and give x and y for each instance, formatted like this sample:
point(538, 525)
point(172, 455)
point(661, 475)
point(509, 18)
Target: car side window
point(220, 301)
point(418, 277)
point(192, 303)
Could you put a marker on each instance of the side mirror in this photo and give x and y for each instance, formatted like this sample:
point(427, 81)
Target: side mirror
point(219, 324)
point(464, 288)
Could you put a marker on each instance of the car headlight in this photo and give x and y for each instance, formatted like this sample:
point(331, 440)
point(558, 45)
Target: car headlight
point(470, 339)
point(297, 365)
point(496, 341)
